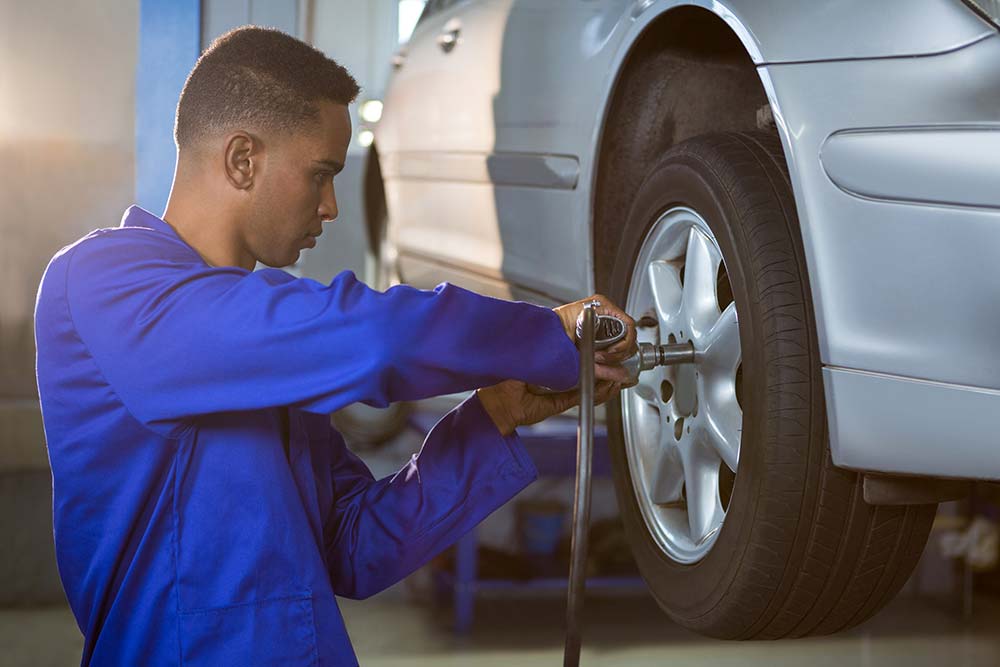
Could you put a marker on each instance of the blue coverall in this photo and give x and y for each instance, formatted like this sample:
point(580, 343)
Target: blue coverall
point(185, 535)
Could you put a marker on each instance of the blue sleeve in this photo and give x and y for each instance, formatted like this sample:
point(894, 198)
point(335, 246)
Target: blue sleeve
point(378, 532)
point(176, 338)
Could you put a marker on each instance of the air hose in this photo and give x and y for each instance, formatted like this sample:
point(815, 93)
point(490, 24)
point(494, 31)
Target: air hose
point(581, 496)
point(595, 331)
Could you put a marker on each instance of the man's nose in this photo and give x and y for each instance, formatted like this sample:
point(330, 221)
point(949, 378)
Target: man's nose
point(328, 206)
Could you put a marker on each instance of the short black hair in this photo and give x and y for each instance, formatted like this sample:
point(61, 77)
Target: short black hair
point(258, 78)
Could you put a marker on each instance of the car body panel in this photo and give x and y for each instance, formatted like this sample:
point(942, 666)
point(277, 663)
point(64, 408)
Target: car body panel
point(904, 165)
point(870, 103)
point(896, 425)
point(900, 287)
point(777, 31)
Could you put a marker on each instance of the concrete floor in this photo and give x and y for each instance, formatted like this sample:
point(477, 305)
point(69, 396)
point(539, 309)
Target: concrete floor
point(390, 631)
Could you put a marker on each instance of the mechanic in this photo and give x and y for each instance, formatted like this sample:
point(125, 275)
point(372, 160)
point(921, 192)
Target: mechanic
point(205, 511)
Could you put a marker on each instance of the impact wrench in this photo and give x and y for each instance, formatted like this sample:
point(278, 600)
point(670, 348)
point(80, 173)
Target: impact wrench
point(595, 332)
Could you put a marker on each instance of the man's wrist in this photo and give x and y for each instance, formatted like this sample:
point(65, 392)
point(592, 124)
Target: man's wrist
point(497, 410)
point(566, 319)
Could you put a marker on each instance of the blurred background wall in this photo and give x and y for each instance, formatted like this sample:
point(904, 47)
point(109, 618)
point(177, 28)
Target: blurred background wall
point(67, 97)
point(81, 139)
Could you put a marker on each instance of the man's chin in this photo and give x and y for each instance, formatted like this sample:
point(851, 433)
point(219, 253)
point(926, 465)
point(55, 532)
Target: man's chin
point(288, 260)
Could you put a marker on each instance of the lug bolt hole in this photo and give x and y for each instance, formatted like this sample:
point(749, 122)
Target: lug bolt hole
point(666, 391)
point(739, 386)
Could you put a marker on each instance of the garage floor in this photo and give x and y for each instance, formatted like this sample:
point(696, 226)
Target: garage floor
point(389, 631)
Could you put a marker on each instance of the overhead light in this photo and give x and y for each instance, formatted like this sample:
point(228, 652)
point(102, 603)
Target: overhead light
point(365, 138)
point(371, 111)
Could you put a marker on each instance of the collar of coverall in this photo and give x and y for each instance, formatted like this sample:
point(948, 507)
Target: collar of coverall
point(136, 216)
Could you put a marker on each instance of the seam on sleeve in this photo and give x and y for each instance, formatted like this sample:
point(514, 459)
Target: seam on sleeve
point(175, 549)
point(174, 434)
point(490, 435)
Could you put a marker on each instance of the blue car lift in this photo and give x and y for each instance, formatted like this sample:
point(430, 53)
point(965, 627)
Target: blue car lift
point(552, 447)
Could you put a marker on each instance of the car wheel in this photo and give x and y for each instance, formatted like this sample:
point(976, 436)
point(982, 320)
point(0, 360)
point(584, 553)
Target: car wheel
point(737, 517)
point(363, 426)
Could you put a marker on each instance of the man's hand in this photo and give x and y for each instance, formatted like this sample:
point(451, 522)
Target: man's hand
point(607, 362)
point(510, 404)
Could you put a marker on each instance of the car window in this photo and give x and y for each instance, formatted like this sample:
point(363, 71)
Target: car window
point(429, 9)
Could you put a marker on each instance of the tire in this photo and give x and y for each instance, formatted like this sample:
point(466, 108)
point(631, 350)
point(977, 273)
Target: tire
point(798, 552)
point(364, 427)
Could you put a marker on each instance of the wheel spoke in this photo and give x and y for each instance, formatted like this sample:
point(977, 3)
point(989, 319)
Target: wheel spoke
point(647, 334)
point(644, 437)
point(720, 359)
point(701, 487)
point(649, 386)
point(724, 424)
point(701, 266)
point(665, 283)
point(722, 342)
point(667, 478)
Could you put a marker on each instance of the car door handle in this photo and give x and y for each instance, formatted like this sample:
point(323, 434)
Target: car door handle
point(448, 37)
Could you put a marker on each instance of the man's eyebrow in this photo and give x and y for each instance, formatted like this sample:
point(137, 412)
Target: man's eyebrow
point(332, 165)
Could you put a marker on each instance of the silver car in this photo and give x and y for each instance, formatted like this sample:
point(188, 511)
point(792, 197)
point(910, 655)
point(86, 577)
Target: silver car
point(808, 192)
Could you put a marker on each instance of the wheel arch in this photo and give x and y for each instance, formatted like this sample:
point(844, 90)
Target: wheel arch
point(687, 71)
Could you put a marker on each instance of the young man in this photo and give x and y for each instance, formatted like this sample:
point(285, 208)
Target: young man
point(205, 511)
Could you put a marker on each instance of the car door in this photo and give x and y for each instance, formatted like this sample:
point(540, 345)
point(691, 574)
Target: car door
point(555, 60)
point(433, 142)
point(487, 118)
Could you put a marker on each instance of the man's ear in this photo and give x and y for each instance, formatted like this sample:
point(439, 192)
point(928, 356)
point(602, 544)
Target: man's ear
point(242, 150)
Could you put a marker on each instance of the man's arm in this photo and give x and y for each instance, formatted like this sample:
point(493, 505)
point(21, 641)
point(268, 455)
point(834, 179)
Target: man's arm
point(378, 532)
point(176, 338)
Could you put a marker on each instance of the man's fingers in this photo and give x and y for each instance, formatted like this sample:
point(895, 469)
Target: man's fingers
point(604, 391)
point(615, 354)
point(612, 373)
point(624, 348)
point(563, 401)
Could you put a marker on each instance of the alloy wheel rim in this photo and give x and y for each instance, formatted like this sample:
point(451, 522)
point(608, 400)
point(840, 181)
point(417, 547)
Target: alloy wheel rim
point(683, 424)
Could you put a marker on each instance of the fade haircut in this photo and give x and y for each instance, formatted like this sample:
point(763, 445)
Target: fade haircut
point(258, 78)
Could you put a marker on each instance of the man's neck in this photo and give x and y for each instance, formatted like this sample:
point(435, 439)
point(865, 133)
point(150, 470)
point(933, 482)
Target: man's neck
point(210, 231)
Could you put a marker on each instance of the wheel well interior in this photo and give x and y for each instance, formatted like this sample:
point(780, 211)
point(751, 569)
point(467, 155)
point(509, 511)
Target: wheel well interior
point(687, 74)
point(373, 199)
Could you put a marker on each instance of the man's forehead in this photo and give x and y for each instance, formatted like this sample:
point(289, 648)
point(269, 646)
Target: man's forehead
point(334, 126)
point(334, 113)
point(325, 140)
